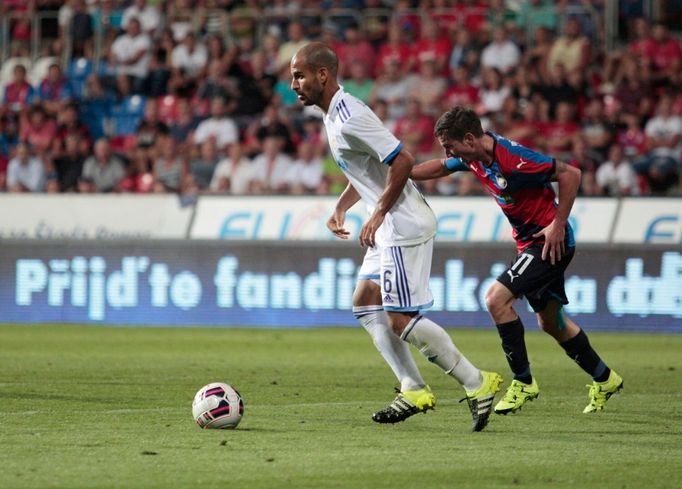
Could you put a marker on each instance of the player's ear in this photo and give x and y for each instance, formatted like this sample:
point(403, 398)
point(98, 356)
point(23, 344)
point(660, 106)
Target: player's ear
point(322, 75)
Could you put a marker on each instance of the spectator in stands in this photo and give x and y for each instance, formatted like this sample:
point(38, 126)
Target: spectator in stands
point(55, 90)
point(148, 16)
point(150, 127)
point(214, 21)
point(38, 130)
point(558, 89)
point(557, 135)
point(306, 172)
point(179, 18)
point(8, 134)
point(25, 172)
point(107, 15)
point(572, 49)
point(416, 128)
point(537, 13)
point(493, 91)
point(185, 122)
point(428, 86)
point(139, 178)
point(395, 47)
point(597, 132)
point(129, 57)
point(354, 49)
point(461, 91)
point(391, 87)
point(616, 177)
point(633, 83)
point(201, 168)
point(465, 52)
point(272, 123)
point(69, 165)
point(538, 50)
point(584, 158)
point(295, 40)
point(359, 84)
point(664, 139)
point(432, 47)
point(631, 137)
point(19, 93)
point(69, 123)
point(255, 88)
point(214, 84)
point(642, 44)
point(160, 79)
point(666, 54)
point(170, 166)
point(272, 168)
point(103, 171)
point(233, 174)
point(502, 53)
point(190, 56)
point(219, 127)
point(81, 29)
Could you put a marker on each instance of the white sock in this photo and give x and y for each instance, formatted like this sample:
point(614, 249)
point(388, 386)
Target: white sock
point(437, 346)
point(394, 351)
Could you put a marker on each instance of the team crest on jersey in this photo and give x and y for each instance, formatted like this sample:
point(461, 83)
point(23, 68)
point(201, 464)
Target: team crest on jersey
point(500, 180)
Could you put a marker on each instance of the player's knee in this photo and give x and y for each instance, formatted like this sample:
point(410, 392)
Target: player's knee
point(494, 304)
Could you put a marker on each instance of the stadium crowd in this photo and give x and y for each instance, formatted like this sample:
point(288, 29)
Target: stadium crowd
point(193, 96)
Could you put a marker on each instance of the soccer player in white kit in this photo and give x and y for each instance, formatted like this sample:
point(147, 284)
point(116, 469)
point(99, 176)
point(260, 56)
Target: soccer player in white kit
point(393, 283)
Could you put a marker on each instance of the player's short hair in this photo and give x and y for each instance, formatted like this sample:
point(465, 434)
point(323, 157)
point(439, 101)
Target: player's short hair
point(318, 55)
point(456, 122)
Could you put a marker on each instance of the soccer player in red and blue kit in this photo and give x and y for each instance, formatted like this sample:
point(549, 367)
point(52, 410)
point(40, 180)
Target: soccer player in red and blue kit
point(520, 181)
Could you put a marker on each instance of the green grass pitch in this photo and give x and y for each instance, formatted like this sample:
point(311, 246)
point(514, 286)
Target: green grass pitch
point(100, 407)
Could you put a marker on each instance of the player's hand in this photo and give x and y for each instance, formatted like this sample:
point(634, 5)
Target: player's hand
point(335, 225)
point(369, 230)
point(554, 246)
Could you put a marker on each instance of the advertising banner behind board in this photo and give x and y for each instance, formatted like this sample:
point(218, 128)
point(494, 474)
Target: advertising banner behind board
point(460, 219)
point(308, 284)
point(72, 216)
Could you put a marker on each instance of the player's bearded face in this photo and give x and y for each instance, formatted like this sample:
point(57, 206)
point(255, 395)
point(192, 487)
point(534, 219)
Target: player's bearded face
point(306, 84)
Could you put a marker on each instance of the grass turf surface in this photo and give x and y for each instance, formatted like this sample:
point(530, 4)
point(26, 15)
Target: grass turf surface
point(90, 407)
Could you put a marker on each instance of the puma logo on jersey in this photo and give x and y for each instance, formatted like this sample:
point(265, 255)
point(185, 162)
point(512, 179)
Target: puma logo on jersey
point(521, 163)
point(512, 276)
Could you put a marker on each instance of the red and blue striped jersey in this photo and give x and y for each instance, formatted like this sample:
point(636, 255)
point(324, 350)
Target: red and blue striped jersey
point(520, 181)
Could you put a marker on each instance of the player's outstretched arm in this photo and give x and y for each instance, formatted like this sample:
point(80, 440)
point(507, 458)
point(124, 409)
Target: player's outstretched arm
point(348, 198)
point(568, 178)
point(398, 174)
point(429, 169)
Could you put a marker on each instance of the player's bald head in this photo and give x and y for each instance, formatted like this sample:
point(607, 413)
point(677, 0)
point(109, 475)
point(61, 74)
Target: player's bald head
point(316, 55)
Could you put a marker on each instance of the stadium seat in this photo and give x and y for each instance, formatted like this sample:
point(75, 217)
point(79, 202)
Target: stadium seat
point(39, 69)
point(95, 114)
point(168, 108)
point(126, 114)
point(78, 71)
point(123, 144)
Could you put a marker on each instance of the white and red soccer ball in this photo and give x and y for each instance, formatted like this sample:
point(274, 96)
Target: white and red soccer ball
point(218, 405)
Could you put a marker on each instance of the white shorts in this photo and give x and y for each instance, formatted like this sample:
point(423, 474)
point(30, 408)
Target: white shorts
point(403, 274)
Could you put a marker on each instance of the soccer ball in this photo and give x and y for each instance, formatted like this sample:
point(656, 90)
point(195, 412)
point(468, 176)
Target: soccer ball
point(218, 405)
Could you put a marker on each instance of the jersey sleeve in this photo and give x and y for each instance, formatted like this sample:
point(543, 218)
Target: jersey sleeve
point(365, 132)
point(455, 164)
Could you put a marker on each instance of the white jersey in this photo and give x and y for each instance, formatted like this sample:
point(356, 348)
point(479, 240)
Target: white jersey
point(363, 148)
